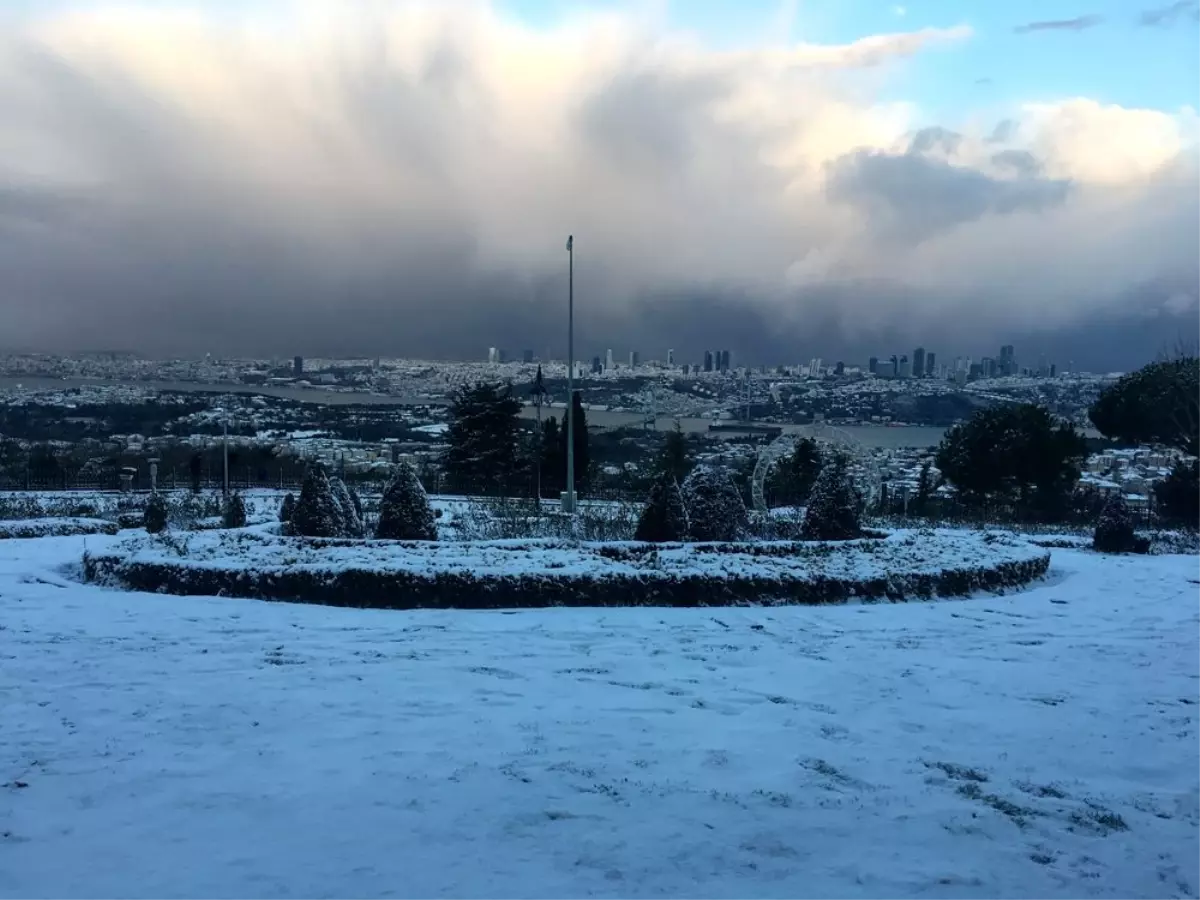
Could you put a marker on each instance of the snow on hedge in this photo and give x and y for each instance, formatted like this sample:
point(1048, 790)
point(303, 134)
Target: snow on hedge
point(390, 574)
point(54, 527)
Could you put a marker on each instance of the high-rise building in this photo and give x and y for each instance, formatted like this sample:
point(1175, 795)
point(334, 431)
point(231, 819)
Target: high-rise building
point(931, 363)
point(1008, 360)
point(298, 366)
point(724, 357)
point(814, 367)
point(840, 368)
point(987, 367)
point(873, 365)
point(708, 360)
point(609, 365)
point(918, 363)
point(502, 355)
point(597, 366)
point(493, 355)
point(670, 357)
point(904, 368)
point(526, 356)
point(1053, 370)
point(974, 372)
point(886, 369)
point(634, 359)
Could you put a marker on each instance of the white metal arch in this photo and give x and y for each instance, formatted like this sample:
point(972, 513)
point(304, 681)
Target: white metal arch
point(863, 467)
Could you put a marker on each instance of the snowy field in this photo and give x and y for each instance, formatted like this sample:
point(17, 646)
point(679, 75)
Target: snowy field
point(1039, 744)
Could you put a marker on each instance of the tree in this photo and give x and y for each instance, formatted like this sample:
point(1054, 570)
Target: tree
point(288, 509)
point(674, 459)
point(920, 504)
point(834, 506)
point(1157, 404)
point(234, 514)
point(665, 518)
point(351, 522)
point(155, 515)
point(715, 509)
point(582, 454)
point(794, 476)
point(356, 501)
point(196, 471)
point(404, 511)
point(316, 513)
point(482, 438)
point(553, 462)
point(1178, 494)
point(1114, 532)
point(1014, 458)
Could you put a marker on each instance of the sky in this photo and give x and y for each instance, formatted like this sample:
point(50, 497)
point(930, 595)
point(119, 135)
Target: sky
point(785, 179)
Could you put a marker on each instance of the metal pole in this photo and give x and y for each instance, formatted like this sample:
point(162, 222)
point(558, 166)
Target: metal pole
point(568, 504)
point(225, 437)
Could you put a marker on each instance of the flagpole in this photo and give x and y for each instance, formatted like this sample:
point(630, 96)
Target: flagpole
point(568, 499)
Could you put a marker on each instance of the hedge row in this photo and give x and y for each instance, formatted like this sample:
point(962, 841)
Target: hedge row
point(381, 589)
point(39, 528)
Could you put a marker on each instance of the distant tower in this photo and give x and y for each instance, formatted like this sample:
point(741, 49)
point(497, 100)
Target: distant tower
point(670, 357)
point(724, 360)
point(634, 359)
point(930, 363)
point(873, 365)
point(298, 366)
point(493, 355)
point(609, 365)
point(918, 362)
point(708, 360)
point(597, 365)
point(526, 356)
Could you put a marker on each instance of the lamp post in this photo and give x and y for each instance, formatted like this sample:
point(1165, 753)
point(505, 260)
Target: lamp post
point(567, 503)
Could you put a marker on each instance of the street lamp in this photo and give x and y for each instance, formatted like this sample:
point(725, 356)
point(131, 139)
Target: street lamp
point(567, 503)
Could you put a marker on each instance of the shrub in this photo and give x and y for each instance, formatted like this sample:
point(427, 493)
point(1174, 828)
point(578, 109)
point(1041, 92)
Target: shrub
point(154, 518)
point(404, 511)
point(833, 505)
point(1178, 494)
point(234, 514)
point(665, 517)
point(351, 519)
point(288, 509)
point(316, 513)
point(357, 501)
point(1114, 531)
point(714, 506)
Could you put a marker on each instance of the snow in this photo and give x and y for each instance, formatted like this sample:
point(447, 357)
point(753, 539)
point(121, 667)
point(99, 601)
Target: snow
point(1040, 744)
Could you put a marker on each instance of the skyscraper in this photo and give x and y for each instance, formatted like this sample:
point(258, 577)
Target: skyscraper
point(839, 368)
point(298, 366)
point(493, 355)
point(608, 361)
point(1008, 360)
point(670, 357)
point(527, 356)
point(708, 360)
point(904, 369)
point(724, 355)
point(931, 363)
point(634, 359)
point(918, 366)
point(873, 365)
point(597, 366)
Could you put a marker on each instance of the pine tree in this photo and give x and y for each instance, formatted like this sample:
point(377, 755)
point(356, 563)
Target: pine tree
point(316, 513)
point(482, 452)
point(234, 514)
point(196, 470)
point(554, 464)
point(1114, 532)
point(288, 508)
point(582, 452)
point(920, 504)
point(833, 505)
point(155, 515)
point(674, 459)
point(404, 511)
point(715, 509)
point(665, 518)
point(357, 501)
point(351, 523)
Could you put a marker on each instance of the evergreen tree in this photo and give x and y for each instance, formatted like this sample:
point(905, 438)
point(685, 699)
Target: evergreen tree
point(833, 506)
point(1157, 404)
point(155, 515)
point(316, 513)
point(1114, 532)
point(920, 504)
point(404, 511)
point(793, 478)
point(674, 459)
point(582, 453)
point(554, 463)
point(665, 517)
point(715, 509)
point(196, 470)
point(1178, 495)
point(288, 508)
point(357, 502)
point(234, 514)
point(351, 522)
point(482, 453)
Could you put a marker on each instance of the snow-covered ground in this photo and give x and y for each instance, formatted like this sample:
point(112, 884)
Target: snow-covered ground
point(1039, 744)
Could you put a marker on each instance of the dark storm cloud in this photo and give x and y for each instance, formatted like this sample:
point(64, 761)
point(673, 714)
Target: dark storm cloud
point(913, 197)
point(1079, 23)
point(1171, 14)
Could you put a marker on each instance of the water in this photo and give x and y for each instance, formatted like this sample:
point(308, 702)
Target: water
point(874, 436)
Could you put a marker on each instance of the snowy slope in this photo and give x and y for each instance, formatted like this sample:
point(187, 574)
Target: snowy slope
point(1040, 744)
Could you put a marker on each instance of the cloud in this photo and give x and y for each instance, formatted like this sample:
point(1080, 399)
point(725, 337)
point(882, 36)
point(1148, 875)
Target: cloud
point(1171, 14)
point(1079, 23)
point(399, 178)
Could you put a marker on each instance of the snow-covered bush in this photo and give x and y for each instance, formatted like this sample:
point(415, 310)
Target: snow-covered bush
point(1114, 531)
point(234, 514)
point(665, 517)
point(404, 511)
point(154, 518)
point(351, 519)
point(358, 505)
point(54, 527)
point(316, 513)
point(833, 506)
point(715, 509)
point(288, 509)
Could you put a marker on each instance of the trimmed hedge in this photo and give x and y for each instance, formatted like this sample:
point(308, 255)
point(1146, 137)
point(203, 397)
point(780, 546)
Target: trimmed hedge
point(363, 586)
point(38, 528)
